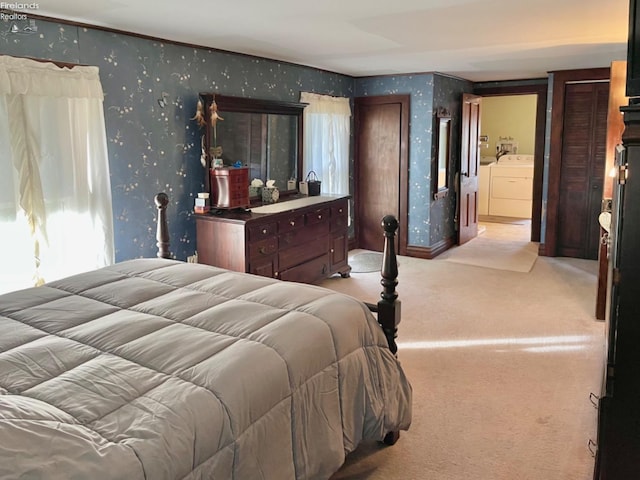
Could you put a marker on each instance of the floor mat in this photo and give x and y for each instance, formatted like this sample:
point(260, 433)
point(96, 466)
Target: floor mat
point(492, 253)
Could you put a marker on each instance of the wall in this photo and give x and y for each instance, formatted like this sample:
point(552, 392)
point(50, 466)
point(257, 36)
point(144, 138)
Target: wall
point(448, 94)
point(430, 221)
point(509, 116)
point(151, 89)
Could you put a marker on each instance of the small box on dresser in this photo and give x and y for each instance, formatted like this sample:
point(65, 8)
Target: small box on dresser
point(230, 187)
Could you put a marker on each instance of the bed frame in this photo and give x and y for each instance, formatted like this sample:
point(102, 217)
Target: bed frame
point(387, 308)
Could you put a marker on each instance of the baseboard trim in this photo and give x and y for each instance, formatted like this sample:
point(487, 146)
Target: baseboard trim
point(431, 251)
point(542, 250)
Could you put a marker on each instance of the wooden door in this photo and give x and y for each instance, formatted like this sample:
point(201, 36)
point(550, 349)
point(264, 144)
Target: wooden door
point(469, 163)
point(381, 171)
point(584, 143)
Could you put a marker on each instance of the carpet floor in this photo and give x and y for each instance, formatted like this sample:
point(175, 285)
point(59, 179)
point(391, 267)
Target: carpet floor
point(493, 253)
point(501, 363)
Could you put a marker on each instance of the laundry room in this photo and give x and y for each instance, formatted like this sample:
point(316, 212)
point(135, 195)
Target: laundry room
point(508, 127)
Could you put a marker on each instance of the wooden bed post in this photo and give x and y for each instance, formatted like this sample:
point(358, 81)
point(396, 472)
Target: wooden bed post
point(389, 305)
point(162, 233)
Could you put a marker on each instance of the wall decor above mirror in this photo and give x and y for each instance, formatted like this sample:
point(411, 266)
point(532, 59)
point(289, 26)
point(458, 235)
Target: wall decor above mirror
point(263, 135)
point(440, 167)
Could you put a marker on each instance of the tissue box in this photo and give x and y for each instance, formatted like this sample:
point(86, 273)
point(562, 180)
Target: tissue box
point(270, 194)
point(255, 191)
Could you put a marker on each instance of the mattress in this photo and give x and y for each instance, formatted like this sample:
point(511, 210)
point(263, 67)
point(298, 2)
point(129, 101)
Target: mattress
point(157, 369)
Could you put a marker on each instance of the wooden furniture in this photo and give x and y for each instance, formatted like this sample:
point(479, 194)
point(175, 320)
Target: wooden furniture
point(229, 187)
point(300, 240)
point(618, 439)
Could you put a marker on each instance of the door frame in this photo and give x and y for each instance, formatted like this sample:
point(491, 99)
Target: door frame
point(403, 201)
point(549, 245)
point(539, 89)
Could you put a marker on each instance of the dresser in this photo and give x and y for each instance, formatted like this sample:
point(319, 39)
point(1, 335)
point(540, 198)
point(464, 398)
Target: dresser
point(301, 240)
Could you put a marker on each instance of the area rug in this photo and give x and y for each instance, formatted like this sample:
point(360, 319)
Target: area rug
point(492, 253)
point(366, 262)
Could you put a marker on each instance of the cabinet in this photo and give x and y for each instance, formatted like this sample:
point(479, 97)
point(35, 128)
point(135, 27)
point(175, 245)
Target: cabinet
point(618, 437)
point(300, 240)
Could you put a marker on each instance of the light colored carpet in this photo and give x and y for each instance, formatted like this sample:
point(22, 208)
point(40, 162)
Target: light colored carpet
point(501, 364)
point(493, 253)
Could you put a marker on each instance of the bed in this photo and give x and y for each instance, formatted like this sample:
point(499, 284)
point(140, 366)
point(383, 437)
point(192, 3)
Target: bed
point(159, 369)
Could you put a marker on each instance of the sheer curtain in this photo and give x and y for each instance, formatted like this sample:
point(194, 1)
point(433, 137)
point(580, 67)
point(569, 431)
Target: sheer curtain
point(327, 128)
point(55, 196)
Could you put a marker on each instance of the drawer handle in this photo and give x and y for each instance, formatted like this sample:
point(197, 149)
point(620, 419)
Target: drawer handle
point(262, 250)
point(331, 250)
point(292, 223)
point(340, 211)
point(319, 217)
point(264, 231)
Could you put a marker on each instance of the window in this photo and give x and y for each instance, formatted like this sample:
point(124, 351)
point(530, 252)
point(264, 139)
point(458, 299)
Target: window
point(327, 130)
point(55, 195)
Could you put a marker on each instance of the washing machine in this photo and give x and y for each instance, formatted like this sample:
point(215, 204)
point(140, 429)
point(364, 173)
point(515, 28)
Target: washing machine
point(511, 186)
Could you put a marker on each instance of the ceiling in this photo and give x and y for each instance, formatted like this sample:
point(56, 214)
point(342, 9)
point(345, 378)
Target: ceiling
point(479, 40)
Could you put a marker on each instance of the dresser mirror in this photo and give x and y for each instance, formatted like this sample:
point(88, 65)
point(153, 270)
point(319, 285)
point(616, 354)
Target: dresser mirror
point(263, 135)
point(440, 172)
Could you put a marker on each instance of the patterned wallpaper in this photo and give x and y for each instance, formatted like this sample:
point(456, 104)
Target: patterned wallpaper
point(429, 220)
point(448, 94)
point(151, 89)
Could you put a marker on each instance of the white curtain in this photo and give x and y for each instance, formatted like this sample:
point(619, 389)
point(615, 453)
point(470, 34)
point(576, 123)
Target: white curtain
point(327, 128)
point(55, 196)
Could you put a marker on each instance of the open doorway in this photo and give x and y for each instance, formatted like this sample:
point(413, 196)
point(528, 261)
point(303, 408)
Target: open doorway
point(507, 152)
point(503, 99)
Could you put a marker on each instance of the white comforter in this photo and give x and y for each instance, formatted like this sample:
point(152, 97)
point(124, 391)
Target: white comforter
point(154, 369)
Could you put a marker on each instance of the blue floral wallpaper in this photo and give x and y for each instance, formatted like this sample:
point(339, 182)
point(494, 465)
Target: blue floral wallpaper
point(151, 89)
point(448, 94)
point(430, 221)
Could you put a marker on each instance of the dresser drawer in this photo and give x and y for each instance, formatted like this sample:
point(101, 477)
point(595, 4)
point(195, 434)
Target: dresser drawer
point(263, 248)
point(258, 232)
point(291, 222)
point(300, 236)
point(317, 216)
point(310, 271)
point(339, 217)
point(303, 252)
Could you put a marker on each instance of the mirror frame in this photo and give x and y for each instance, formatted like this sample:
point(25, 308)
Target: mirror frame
point(252, 105)
point(442, 151)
